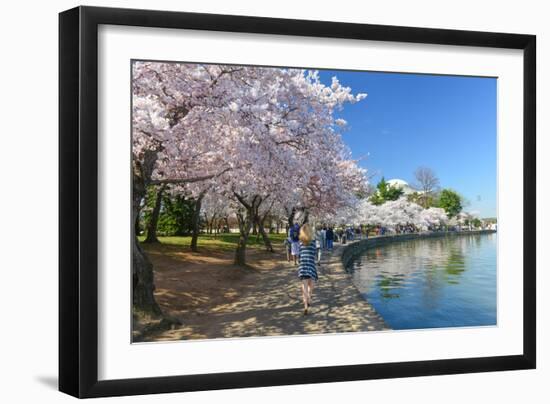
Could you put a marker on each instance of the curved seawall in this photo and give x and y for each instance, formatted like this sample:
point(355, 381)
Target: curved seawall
point(355, 248)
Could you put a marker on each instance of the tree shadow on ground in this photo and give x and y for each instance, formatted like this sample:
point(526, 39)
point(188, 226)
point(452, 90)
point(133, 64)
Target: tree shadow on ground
point(214, 299)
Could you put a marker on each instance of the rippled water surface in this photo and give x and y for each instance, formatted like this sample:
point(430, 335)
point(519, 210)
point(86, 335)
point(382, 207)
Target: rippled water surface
point(436, 282)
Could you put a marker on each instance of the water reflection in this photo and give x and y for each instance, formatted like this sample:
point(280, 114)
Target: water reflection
point(437, 282)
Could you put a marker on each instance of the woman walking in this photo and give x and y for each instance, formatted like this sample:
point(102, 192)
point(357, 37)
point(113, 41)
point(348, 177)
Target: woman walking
point(307, 271)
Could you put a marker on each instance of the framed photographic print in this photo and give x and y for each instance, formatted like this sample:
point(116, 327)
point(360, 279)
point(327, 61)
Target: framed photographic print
point(251, 201)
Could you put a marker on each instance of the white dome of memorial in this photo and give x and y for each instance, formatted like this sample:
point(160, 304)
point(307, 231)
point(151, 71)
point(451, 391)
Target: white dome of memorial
point(398, 183)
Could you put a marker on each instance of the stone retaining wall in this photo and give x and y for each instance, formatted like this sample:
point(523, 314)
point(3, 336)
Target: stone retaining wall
point(355, 248)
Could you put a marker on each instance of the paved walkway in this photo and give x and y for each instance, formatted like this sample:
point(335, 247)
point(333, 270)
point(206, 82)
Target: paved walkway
point(273, 307)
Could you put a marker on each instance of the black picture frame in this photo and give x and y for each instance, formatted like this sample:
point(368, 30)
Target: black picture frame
point(78, 201)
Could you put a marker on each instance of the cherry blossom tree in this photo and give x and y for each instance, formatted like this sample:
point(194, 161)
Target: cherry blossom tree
point(176, 109)
point(369, 213)
point(252, 132)
point(214, 208)
point(286, 138)
point(433, 217)
point(396, 213)
point(400, 212)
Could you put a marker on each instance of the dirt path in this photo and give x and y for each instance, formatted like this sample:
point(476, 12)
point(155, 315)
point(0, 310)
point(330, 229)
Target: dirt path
point(214, 299)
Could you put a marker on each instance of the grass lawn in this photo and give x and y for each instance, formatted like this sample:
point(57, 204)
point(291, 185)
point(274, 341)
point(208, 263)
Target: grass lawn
point(219, 242)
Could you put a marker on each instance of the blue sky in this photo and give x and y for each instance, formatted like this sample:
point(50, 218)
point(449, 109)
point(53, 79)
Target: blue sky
point(446, 123)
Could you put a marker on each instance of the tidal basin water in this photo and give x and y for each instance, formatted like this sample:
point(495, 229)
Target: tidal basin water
point(445, 281)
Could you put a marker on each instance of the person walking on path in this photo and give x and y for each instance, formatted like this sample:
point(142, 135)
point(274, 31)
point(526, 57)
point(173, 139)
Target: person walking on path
point(330, 238)
point(319, 243)
point(294, 234)
point(324, 237)
point(307, 271)
point(288, 246)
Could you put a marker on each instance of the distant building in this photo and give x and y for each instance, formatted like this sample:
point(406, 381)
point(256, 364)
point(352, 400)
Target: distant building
point(403, 185)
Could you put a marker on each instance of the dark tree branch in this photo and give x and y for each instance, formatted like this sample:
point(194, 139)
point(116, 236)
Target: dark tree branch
point(188, 180)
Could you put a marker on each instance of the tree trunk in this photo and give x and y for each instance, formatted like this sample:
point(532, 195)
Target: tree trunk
point(290, 217)
point(196, 222)
point(265, 237)
point(153, 220)
point(260, 222)
point(208, 224)
point(226, 220)
point(240, 252)
point(211, 223)
point(137, 227)
point(257, 228)
point(305, 216)
point(245, 225)
point(143, 282)
point(143, 298)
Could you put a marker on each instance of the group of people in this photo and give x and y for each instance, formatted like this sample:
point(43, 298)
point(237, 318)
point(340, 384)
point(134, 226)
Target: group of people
point(324, 240)
point(349, 234)
point(406, 229)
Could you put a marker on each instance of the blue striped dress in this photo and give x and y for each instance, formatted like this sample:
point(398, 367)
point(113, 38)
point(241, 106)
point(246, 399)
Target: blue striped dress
point(307, 268)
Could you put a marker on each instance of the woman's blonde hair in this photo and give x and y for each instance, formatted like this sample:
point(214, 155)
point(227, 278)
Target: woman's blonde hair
point(305, 234)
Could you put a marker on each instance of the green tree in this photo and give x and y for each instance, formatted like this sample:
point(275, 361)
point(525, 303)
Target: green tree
point(175, 216)
point(385, 192)
point(450, 201)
